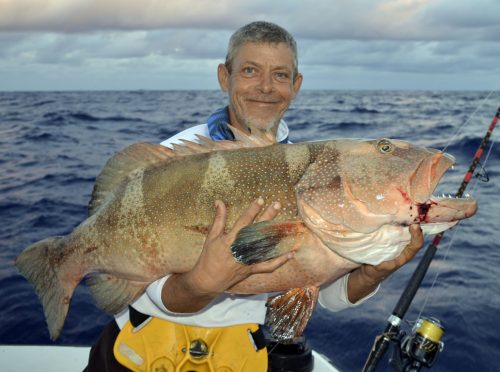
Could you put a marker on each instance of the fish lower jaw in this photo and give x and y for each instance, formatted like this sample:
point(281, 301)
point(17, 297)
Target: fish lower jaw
point(437, 227)
point(445, 208)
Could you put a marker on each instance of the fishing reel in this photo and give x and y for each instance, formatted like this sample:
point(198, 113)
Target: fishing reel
point(420, 348)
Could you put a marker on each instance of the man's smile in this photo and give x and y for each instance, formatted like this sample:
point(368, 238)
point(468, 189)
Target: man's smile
point(263, 101)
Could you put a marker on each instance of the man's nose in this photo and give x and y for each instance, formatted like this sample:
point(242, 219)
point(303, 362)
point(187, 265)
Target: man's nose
point(266, 82)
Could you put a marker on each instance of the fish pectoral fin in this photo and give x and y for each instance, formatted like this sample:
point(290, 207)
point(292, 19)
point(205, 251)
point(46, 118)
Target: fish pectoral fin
point(289, 312)
point(260, 241)
point(113, 294)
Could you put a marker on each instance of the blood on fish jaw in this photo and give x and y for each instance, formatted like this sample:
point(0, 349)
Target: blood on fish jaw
point(423, 209)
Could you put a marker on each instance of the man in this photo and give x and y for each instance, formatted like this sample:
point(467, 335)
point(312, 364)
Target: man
point(261, 78)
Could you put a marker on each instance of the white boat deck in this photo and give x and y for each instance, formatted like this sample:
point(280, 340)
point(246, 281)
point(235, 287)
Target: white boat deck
point(47, 358)
point(44, 358)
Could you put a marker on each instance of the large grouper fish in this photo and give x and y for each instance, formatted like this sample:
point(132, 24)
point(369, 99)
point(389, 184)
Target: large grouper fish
point(344, 202)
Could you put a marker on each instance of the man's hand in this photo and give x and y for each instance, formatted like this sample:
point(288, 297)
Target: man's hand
point(216, 269)
point(365, 279)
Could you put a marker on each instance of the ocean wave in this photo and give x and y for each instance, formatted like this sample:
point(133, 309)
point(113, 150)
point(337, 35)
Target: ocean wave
point(468, 144)
point(364, 110)
point(47, 180)
point(83, 116)
point(46, 136)
point(53, 118)
point(56, 117)
point(351, 125)
point(7, 206)
point(42, 103)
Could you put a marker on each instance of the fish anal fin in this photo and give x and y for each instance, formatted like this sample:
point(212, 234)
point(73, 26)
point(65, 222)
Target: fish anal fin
point(259, 242)
point(113, 294)
point(289, 312)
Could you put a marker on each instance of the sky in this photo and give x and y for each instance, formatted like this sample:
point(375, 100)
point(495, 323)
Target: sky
point(177, 44)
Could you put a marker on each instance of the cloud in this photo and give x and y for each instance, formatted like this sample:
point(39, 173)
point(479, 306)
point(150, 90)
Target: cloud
point(76, 48)
point(91, 15)
point(430, 57)
point(143, 41)
point(323, 19)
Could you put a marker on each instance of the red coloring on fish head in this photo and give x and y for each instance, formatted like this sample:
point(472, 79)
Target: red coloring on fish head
point(404, 194)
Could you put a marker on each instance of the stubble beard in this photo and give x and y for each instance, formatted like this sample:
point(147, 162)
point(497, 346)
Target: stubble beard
point(262, 127)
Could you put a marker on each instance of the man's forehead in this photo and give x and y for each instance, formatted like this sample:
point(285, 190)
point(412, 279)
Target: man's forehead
point(280, 52)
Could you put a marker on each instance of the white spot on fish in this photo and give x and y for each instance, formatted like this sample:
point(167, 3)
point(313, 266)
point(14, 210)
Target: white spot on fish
point(296, 158)
point(217, 173)
point(380, 197)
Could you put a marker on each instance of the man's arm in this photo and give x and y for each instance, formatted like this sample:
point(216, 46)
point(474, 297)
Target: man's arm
point(216, 269)
point(366, 278)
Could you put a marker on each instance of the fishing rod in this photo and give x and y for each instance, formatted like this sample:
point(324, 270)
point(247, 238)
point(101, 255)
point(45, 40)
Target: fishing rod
point(424, 344)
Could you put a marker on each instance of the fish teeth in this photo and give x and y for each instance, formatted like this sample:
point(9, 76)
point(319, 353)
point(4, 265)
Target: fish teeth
point(449, 196)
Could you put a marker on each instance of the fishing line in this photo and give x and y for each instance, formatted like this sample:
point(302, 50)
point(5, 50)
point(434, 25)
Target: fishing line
point(454, 232)
point(274, 347)
point(471, 116)
point(473, 186)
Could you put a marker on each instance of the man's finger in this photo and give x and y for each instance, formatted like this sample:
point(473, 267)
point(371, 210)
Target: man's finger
point(417, 238)
point(416, 242)
point(219, 223)
point(248, 216)
point(270, 212)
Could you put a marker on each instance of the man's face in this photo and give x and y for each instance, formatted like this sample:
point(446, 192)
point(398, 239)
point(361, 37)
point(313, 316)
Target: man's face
point(260, 86)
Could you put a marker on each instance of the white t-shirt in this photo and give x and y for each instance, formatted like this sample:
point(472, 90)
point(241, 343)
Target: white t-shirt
point(228, 309)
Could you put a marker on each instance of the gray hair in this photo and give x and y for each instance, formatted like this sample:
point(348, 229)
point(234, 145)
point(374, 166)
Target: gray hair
point(260, 32)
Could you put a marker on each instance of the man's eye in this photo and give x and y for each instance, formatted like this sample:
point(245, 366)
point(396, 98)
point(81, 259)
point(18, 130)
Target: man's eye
point(281, 75)
point(249, 70)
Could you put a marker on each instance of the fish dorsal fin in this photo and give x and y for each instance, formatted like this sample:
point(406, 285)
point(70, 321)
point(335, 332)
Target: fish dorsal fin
point(119, 166)
point(266, 139)
point(241, 140)
point(144, 155)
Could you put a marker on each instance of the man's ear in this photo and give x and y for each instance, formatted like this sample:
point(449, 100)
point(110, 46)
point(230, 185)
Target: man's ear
point(223, 76)
point(297, 83)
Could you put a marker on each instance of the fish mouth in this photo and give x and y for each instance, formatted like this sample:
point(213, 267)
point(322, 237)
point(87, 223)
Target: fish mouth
point(442, 210)
point(428, 174)
point(446, 209)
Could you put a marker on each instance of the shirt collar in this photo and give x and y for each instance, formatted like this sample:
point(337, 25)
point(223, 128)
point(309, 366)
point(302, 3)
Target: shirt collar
point(218, 128)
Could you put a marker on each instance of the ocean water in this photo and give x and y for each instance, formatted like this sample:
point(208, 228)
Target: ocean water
point(53, 144)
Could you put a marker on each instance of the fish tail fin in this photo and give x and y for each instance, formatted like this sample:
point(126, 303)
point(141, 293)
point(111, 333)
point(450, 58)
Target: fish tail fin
point(44, 266)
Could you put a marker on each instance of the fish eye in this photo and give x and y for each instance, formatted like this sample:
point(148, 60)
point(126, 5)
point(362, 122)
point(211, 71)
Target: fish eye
point(385, 146)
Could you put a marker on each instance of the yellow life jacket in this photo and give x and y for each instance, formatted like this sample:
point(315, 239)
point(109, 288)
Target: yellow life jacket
point(158, 345)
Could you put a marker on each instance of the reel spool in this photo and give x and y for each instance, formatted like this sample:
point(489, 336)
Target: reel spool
point(420, 348)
